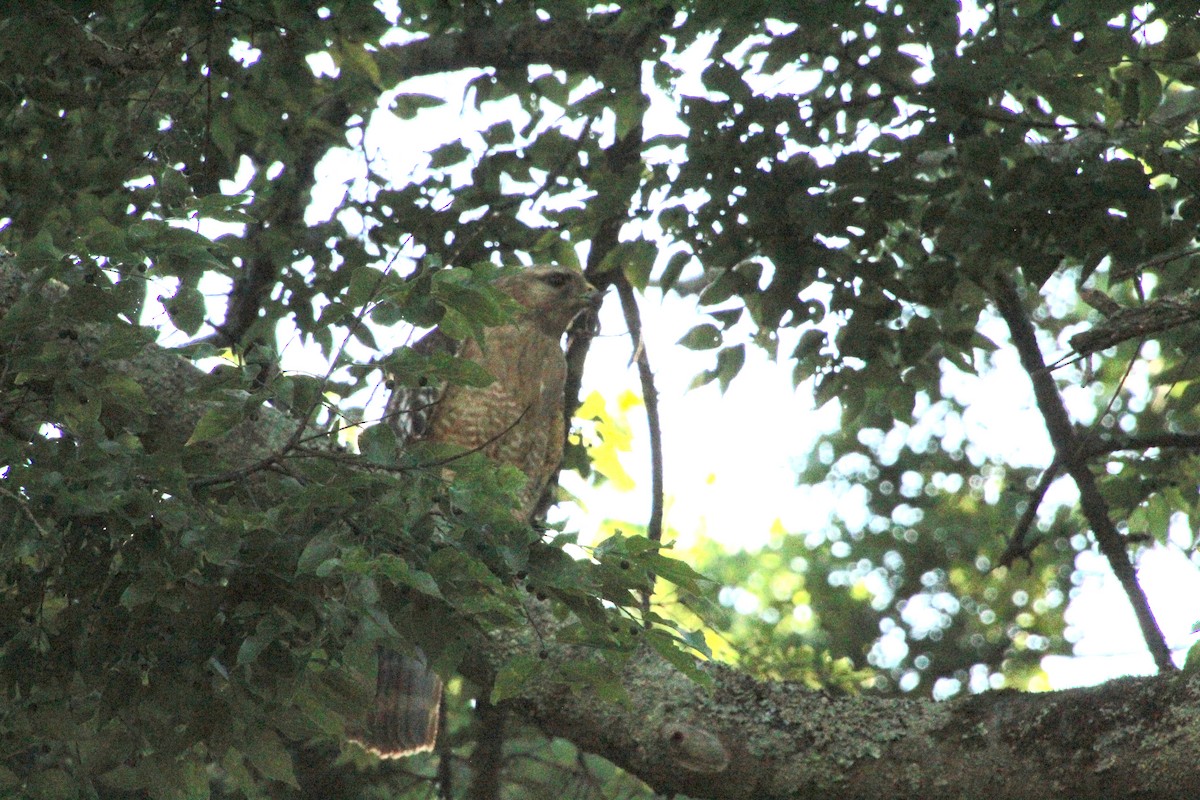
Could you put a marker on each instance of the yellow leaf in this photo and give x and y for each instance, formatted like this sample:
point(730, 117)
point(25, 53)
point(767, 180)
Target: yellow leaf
point(613, 436)
point(591, 407)
point(627, 400)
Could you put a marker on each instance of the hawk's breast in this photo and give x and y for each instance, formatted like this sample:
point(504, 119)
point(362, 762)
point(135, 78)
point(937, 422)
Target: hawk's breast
point(518, 418)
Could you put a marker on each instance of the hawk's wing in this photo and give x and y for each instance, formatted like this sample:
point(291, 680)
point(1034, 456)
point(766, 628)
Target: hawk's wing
point(408, 698)
point(408, 694)
point(413, 398)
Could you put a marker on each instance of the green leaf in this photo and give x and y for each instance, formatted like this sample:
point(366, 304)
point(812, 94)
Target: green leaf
point(126, 391)
point(366, 284)
point(480, 303)
point(24, 315)
point(1191, 662)
point(406, 106)
point(448, 155)
point(237, 775)
point(672, 569)
point(187, 309)
point(265, 634)
point(307, 392)
point(51, 784)
point(316, 553)
point(667, 647)
point(675, 266)
point(267, 754)
point(398, 570)
point(513, 675)
point(217, 421)
point(182, 779)
point(636, 259)
point(596, 676)
point(628, 107)
point(810, 344)
point(563, 253)
point(354, 58)
point(702, 337)
point(410, 368)
point(40, 250)
point(220, 207)
point(729, 364)
point(378, 444)
point(123, 340)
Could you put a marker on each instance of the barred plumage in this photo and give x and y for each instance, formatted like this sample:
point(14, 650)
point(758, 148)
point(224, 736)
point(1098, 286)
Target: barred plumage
point(515, 420)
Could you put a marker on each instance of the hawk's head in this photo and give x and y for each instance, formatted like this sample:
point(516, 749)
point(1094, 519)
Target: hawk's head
point(553, 296)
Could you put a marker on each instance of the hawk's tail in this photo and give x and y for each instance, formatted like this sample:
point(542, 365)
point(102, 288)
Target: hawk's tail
point(408, 694)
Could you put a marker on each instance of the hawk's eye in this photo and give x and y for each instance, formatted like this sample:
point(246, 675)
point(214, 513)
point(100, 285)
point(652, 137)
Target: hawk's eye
point(556, 279)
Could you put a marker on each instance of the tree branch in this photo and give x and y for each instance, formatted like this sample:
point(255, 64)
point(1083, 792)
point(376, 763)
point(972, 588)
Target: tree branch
point(621, 157)
point(1016, 543)
point(561, 43)
point(1162, 441)
point(777, 741)
point(488, 759)
point(1068, 451)
point(650, 395)
point(1138, 322)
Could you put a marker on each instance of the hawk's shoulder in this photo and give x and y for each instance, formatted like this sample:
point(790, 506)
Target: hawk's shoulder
point(414, 395)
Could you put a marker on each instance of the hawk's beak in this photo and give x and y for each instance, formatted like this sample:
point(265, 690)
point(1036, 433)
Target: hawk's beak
point(593, 297)
point(589, 315)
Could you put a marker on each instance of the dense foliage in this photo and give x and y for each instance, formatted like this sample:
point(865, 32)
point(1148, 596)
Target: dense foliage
point(888, 198)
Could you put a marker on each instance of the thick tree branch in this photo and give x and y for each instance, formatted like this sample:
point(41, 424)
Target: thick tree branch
point(284, 209)
point(1068, 451)
point(1137, 322)
point(488, 758)
point(561, 43)
point(748, 739)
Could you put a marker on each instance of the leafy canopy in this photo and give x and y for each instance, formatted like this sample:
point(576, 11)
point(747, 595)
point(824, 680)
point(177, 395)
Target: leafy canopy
point(850, 186)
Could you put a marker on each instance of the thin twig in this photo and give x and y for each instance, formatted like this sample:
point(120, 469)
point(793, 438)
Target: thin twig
point(291, 450)
point(1016, 547)
point(445, 754)
point(650, 396)
point(24, 506)
point(1016, 543)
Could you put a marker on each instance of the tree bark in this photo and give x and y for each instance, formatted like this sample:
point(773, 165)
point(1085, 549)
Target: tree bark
point(1132, 737)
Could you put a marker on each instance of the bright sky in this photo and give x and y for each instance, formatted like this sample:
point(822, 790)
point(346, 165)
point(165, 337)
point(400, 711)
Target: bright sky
point(731, 460)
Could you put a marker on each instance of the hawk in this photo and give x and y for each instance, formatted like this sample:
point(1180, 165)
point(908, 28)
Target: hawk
point(517, 420)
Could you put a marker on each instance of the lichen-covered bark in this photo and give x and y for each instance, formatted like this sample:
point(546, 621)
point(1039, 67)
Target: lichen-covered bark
point(742, 738)
point(1134, 737)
